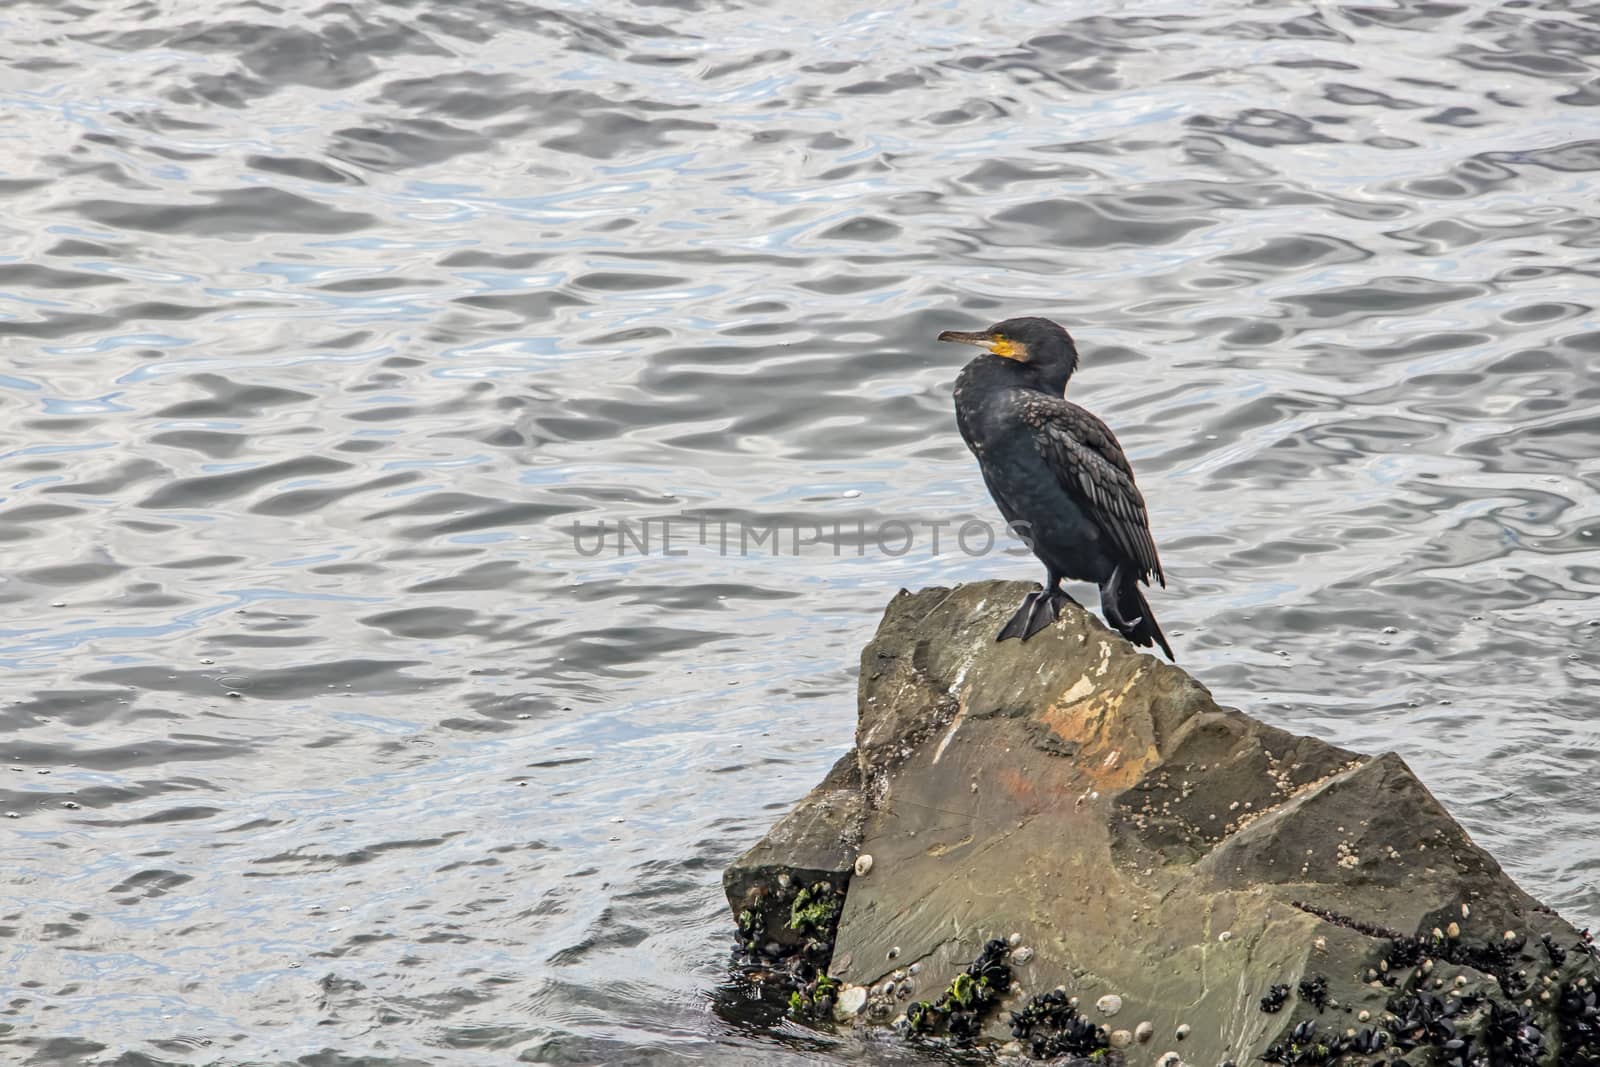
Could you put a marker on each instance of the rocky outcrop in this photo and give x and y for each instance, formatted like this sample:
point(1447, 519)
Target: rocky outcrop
point(1067, 847)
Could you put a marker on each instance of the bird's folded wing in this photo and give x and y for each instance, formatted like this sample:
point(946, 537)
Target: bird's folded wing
point(1086, 459)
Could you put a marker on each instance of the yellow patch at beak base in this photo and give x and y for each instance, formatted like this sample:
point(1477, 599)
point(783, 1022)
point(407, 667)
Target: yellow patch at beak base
point(1009, 349)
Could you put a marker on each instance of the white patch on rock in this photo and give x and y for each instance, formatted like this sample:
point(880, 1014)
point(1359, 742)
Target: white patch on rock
point(851, 1000)
point(961, 676)
point(1081, 689)
point(955, 724)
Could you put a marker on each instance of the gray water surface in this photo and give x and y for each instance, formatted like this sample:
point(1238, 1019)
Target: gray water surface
point(322, 323)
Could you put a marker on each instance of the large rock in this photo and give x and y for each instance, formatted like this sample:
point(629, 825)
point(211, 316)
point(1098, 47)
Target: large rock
point(1155, 850)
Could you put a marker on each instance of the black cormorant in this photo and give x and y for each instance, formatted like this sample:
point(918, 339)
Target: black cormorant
point(1058, 476)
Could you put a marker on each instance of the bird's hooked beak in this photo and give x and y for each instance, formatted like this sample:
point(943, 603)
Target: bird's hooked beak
point(1000, 346)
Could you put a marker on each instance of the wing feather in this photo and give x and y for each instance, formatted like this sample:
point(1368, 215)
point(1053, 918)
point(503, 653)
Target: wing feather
point(1090, 465)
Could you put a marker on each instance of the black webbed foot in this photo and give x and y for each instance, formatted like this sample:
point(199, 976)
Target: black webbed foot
point(1038, 610)
point(1017, 625)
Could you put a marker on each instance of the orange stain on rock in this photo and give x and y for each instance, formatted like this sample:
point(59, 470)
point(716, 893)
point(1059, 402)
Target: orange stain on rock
point(1090, 720)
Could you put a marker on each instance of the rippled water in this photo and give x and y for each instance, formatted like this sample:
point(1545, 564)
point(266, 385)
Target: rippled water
point(324, 322)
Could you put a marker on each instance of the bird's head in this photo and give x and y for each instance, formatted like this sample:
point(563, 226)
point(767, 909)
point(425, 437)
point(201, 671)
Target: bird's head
point(1038, 344)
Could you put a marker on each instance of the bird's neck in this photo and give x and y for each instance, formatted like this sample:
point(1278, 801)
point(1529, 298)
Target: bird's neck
point(1053, 380)
point(1008, 373)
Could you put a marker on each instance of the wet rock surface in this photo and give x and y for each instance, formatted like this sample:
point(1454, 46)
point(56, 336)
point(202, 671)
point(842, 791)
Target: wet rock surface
point(1069, 830)
point(775, 888)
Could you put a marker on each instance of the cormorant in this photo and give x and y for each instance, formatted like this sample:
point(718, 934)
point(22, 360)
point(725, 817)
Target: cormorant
point(1058, 476)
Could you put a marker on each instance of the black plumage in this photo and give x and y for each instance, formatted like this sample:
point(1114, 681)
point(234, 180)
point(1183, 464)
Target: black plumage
point(1058, 476)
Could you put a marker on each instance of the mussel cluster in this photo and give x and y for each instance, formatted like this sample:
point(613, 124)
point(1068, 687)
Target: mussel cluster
point(1579, 1016)
point(1422, 1018)
point(1275, 999)
point(815, 997)
point(1497, 958)
point(1557, 954)
point(1403, 952)
point(1049, 1026)
point(1503, 1034)
point(801, 969)
point(1314, 990)
point(1309, 1044)
point(813, 913)
point(959, 1013)
point(1511, 1037)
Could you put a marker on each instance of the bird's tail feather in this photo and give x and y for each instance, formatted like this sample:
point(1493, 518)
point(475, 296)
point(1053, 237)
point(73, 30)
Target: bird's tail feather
point(1132, 605)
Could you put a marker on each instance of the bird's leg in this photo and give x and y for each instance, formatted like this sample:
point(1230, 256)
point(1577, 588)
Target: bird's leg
point(1047, 609)
point(1038, 610)
point(1109, 592)
point(1052, 588)
point(1017, 625)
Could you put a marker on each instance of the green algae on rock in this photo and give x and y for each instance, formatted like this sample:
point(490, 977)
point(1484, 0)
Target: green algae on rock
point(960, 1012)
point(785, 892)
point(1136, 847)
